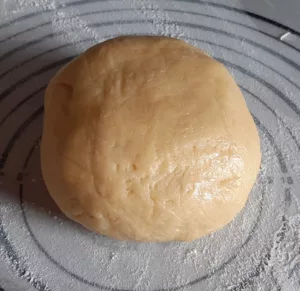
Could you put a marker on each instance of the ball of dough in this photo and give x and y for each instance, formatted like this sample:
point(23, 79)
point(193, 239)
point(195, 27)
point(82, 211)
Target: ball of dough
point(148, 139)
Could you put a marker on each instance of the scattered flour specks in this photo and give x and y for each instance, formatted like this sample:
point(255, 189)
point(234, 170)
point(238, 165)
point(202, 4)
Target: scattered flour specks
point(285, 254)
point(37, 4)
point(11, 7)
point(266, 257)
point(163, 24)
point(72, 29)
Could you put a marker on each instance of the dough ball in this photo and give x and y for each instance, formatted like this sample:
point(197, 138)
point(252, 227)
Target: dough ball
point(148, 139)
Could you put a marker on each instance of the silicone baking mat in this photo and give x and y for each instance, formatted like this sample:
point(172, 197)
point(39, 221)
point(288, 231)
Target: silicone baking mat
point(40, 249)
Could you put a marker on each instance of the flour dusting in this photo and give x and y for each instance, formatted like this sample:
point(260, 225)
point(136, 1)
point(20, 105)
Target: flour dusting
point(12, 7)
point(40, 4)
point(259, 250)
point(163, 24)
point(72, 29)
point(285, 254)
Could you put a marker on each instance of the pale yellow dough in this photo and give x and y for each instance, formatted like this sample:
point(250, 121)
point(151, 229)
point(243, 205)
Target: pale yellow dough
point(148, 139)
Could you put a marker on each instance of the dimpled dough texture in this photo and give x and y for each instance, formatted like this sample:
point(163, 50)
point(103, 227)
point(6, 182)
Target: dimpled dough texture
point(148, 139)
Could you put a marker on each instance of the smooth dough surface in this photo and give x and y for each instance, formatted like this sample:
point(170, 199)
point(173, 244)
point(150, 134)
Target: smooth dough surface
point(148, 139)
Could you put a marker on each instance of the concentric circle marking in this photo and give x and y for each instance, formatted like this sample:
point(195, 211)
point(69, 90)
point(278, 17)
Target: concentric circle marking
point(283, 166)
point(8, 91)
point(91, 39)
point(64, 61)
point(197, 2)
point(124, 10)
point(95, 284)
point(263, 82)
point(291, 104)
point(183, 24)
